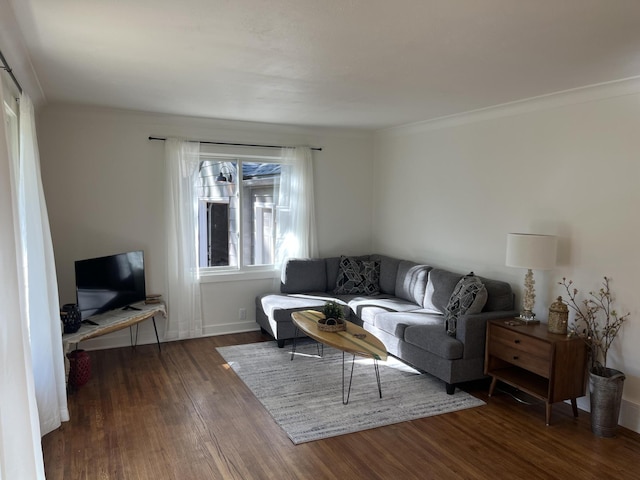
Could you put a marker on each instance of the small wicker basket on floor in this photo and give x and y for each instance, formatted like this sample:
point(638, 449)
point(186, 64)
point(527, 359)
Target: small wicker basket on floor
point(332, 325)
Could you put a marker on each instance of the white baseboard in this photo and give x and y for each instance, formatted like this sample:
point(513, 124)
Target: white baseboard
point(629, 412)
point(147, 336)
point(228, 328)
point(630, 415)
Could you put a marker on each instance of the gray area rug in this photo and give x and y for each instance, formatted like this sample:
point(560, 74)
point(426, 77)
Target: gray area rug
point(304, 396)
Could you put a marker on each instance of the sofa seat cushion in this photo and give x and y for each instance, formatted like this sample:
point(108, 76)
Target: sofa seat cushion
point(395, 323)
point(433, 338)
point(359, 305)
point(280, 307)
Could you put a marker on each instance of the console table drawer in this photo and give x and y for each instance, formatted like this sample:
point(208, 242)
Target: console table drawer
point(521, 357)
point(520, 342)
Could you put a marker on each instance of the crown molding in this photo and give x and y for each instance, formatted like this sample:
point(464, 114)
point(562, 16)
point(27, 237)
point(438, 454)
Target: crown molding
point(616, 88)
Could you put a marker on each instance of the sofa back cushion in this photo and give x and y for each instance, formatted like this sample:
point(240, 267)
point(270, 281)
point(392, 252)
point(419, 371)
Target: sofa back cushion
point(304, 275)
point(442, 283)
point(388, 273)
point(499, 296)
point(411, 281)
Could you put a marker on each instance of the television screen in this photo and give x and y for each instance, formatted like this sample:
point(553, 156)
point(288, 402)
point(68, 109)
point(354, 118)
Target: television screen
point(110, 282)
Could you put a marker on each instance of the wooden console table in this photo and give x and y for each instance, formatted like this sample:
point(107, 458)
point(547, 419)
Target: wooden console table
point(112, 321)
point(548, 366)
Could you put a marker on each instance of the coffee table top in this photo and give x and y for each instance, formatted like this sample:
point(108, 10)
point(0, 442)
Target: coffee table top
point(370, 346)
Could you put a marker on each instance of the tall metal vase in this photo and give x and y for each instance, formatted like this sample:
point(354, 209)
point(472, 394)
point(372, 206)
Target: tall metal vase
point(606, 397)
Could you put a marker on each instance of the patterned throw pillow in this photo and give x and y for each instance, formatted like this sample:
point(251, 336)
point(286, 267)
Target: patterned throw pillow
point(468, 297)
point(358, 277)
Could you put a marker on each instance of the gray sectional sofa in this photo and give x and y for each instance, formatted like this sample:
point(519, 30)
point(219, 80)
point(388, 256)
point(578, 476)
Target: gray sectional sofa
point(409, 306)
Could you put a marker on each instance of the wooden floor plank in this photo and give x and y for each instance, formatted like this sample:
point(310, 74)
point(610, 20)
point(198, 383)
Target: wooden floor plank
point(184, 414)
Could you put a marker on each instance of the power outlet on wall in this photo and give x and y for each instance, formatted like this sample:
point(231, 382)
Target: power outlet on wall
point(242, 314)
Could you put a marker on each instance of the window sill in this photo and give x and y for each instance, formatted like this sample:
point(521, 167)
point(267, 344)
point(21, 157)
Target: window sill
point(237, 276)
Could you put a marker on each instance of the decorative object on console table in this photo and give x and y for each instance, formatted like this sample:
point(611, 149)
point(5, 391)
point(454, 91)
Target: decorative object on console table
point(598, 324)
point(153, 298)
point(547, 366)
point(533, 252)
point(71, 318)
point(558, 317)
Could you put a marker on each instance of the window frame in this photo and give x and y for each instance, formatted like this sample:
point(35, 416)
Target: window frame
point(223, 273)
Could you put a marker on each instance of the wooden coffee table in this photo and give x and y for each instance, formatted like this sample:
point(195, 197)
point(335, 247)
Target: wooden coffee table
point(354, 340)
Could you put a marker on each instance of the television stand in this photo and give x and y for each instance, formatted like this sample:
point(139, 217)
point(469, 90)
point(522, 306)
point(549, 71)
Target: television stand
point(112, 321)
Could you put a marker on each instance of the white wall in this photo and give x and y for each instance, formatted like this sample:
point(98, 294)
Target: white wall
point(569, 167)
point(103, 182)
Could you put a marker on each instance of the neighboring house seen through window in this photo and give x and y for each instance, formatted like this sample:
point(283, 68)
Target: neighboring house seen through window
point(237, 212)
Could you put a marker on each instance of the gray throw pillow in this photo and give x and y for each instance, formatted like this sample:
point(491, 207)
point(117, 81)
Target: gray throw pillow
point(468, 297)
point(358, 277)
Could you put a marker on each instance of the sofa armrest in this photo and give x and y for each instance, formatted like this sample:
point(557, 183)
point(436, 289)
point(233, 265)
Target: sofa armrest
point(472, 330)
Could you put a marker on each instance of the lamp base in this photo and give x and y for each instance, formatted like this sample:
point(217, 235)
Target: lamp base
point(528, 317)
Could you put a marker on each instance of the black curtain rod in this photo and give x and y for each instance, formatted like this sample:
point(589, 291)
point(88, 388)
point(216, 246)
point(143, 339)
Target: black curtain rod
point(5, 66)
point(318, 149)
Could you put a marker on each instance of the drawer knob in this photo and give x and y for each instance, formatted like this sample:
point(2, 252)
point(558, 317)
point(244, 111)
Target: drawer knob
point(515, 357)
point(517, 341)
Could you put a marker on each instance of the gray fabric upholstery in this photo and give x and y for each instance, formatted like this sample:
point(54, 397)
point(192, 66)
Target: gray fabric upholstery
point(443, 282)
point(500, 296)
point(388, 273)
point(397, 322)
point(411, 281)
point(304, 275)
point(386, 302)
point(434, 339)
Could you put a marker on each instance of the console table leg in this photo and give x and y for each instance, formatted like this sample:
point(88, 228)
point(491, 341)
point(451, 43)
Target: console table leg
point(156, 330)
point(493, 385)
point(574, 406)
point(548, 413)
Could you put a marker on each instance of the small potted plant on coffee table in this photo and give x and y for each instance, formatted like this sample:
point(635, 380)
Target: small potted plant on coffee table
point(333, 320)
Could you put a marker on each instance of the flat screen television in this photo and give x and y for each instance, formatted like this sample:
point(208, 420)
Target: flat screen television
point(108, 283)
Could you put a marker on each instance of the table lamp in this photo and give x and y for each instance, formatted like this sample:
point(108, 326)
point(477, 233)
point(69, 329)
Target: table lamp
point(533, 252)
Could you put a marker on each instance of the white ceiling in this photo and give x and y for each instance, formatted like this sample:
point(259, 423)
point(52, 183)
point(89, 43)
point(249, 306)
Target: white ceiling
point(341, 63)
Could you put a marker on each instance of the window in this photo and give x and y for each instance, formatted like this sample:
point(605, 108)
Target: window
point(237, 212)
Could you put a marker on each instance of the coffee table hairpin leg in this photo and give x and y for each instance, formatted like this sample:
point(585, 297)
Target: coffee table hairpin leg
point(345, 401)
point(319, 346)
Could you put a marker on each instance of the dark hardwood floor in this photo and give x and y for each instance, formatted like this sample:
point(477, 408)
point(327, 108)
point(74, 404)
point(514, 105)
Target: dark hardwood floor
point(184, 414)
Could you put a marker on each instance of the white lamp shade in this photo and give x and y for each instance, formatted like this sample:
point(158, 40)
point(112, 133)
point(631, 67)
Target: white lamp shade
point(537, 252)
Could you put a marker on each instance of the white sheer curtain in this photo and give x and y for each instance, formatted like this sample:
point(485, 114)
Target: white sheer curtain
point(20, 448)
point(182, 160)
point(42, 283)
point(296, 221)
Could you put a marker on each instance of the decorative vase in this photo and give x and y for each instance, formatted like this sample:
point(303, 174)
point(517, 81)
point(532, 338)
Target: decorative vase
point(79, 368)
point(71, 318)
point(558, 317)
point(606, 396)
